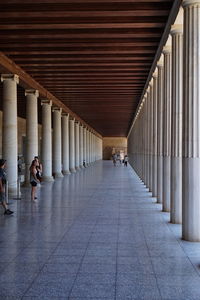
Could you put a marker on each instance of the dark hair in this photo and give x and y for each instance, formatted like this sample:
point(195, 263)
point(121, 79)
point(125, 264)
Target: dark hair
point(36, 157)
point(33, 161)
point(2, 162)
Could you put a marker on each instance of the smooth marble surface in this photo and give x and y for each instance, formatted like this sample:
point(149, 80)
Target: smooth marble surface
point(96, 234)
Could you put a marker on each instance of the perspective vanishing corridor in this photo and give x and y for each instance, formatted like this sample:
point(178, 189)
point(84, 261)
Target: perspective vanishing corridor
point(97, 234)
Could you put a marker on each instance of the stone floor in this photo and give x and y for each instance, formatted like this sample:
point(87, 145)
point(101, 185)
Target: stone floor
point(97, 234)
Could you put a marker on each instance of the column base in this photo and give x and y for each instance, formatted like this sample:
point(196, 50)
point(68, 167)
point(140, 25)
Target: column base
point(47, 178)
point(58, 175)
point(66, 172)
point(77, 168)
point(81, 167)
point(12, 193)
point(72, 170)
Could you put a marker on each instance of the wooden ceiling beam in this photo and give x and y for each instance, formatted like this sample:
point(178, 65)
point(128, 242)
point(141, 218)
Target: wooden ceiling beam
point(79, 26)
point(76, 14)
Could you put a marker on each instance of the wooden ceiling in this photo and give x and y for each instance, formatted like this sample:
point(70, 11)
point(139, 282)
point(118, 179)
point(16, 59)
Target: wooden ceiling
point(93, 55)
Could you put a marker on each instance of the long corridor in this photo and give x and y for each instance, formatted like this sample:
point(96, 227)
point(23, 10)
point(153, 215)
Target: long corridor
point(97, 234)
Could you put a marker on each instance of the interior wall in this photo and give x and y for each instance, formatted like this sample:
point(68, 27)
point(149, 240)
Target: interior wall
point(115, 144)
point(21, 135)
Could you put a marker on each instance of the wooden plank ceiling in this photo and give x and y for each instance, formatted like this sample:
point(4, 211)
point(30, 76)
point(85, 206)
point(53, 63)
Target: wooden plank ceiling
point(93, 55)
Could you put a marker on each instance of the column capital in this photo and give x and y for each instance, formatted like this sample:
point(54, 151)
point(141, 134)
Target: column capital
point(176, 29)
point(71, 118)
point(166, 50)
point(187, 3)
point(46, 102)
point(32, 92)
point(56, 109)
point(64, 114)
point(13, 77)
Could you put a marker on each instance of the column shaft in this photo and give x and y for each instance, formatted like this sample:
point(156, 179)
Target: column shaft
point(31, 130)
point(9, 138)
point(81, 145)
point(46, 141)
point(77, 152)
point(65, 144)
point(160, 134)
point(176, 147)
point(167, 129)
point(191, 122)
point(72, 146)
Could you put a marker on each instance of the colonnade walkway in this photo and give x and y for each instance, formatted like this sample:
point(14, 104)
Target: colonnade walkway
point(97, 234)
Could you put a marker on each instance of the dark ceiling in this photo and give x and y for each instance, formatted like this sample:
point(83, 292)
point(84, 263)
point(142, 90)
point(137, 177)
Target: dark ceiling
point(93, 55)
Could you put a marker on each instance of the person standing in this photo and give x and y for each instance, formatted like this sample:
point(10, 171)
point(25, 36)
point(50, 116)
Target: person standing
point(33, 179)
point(38, 168)
point(125, 160)
point(2, 187)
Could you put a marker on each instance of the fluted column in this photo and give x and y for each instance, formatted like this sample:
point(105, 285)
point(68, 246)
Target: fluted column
point(57, 143)
point(77, 152)
point(65, 144)
point(145, 138)
point(176, 147)
point(84, 145)
point(155, 133)
point(167, 129)
point(81, 145)
point(31, 130)
point(9, 134)
point(148, 136)
point(151, 118)
point(87, 147)
point(72, 146)
point(160, 132)
point(46, 141)
point(191, 122)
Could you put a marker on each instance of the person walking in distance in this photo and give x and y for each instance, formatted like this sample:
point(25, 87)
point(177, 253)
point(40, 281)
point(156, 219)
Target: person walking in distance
point(2, 187)
point(125, 160)
point(33, 179)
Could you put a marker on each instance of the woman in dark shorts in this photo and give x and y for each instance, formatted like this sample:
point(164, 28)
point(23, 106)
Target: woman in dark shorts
point(33, 179)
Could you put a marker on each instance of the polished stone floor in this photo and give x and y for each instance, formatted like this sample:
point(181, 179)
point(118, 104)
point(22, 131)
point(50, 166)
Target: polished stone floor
point(97, 234)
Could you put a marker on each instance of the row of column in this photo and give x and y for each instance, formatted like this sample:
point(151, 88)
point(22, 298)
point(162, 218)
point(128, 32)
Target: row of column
point(66, 146)
point(164, 143)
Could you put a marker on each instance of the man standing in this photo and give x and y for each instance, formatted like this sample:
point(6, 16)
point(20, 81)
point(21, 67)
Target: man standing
point(2, 187)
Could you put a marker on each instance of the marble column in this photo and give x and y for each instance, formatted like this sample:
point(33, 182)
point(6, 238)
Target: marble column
point(81, 146)
point(88, 147)
point(57, 142)
point(148, 136)
point(155, 133)
point(31, 130)
point(176, 147)
point(77, 158)
point(167, 129)
point(72, 146)
point(46, 141)
point(84, 145)
point(9, 133)
point(191, 122)
point(65, 144)
point(151, 118)
point(160, 131)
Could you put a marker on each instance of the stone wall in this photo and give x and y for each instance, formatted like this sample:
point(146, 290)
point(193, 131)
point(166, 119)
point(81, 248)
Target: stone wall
point(113, 144)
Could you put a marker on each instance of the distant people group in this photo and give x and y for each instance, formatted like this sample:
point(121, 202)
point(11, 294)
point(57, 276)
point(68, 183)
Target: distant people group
point(117, 158)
